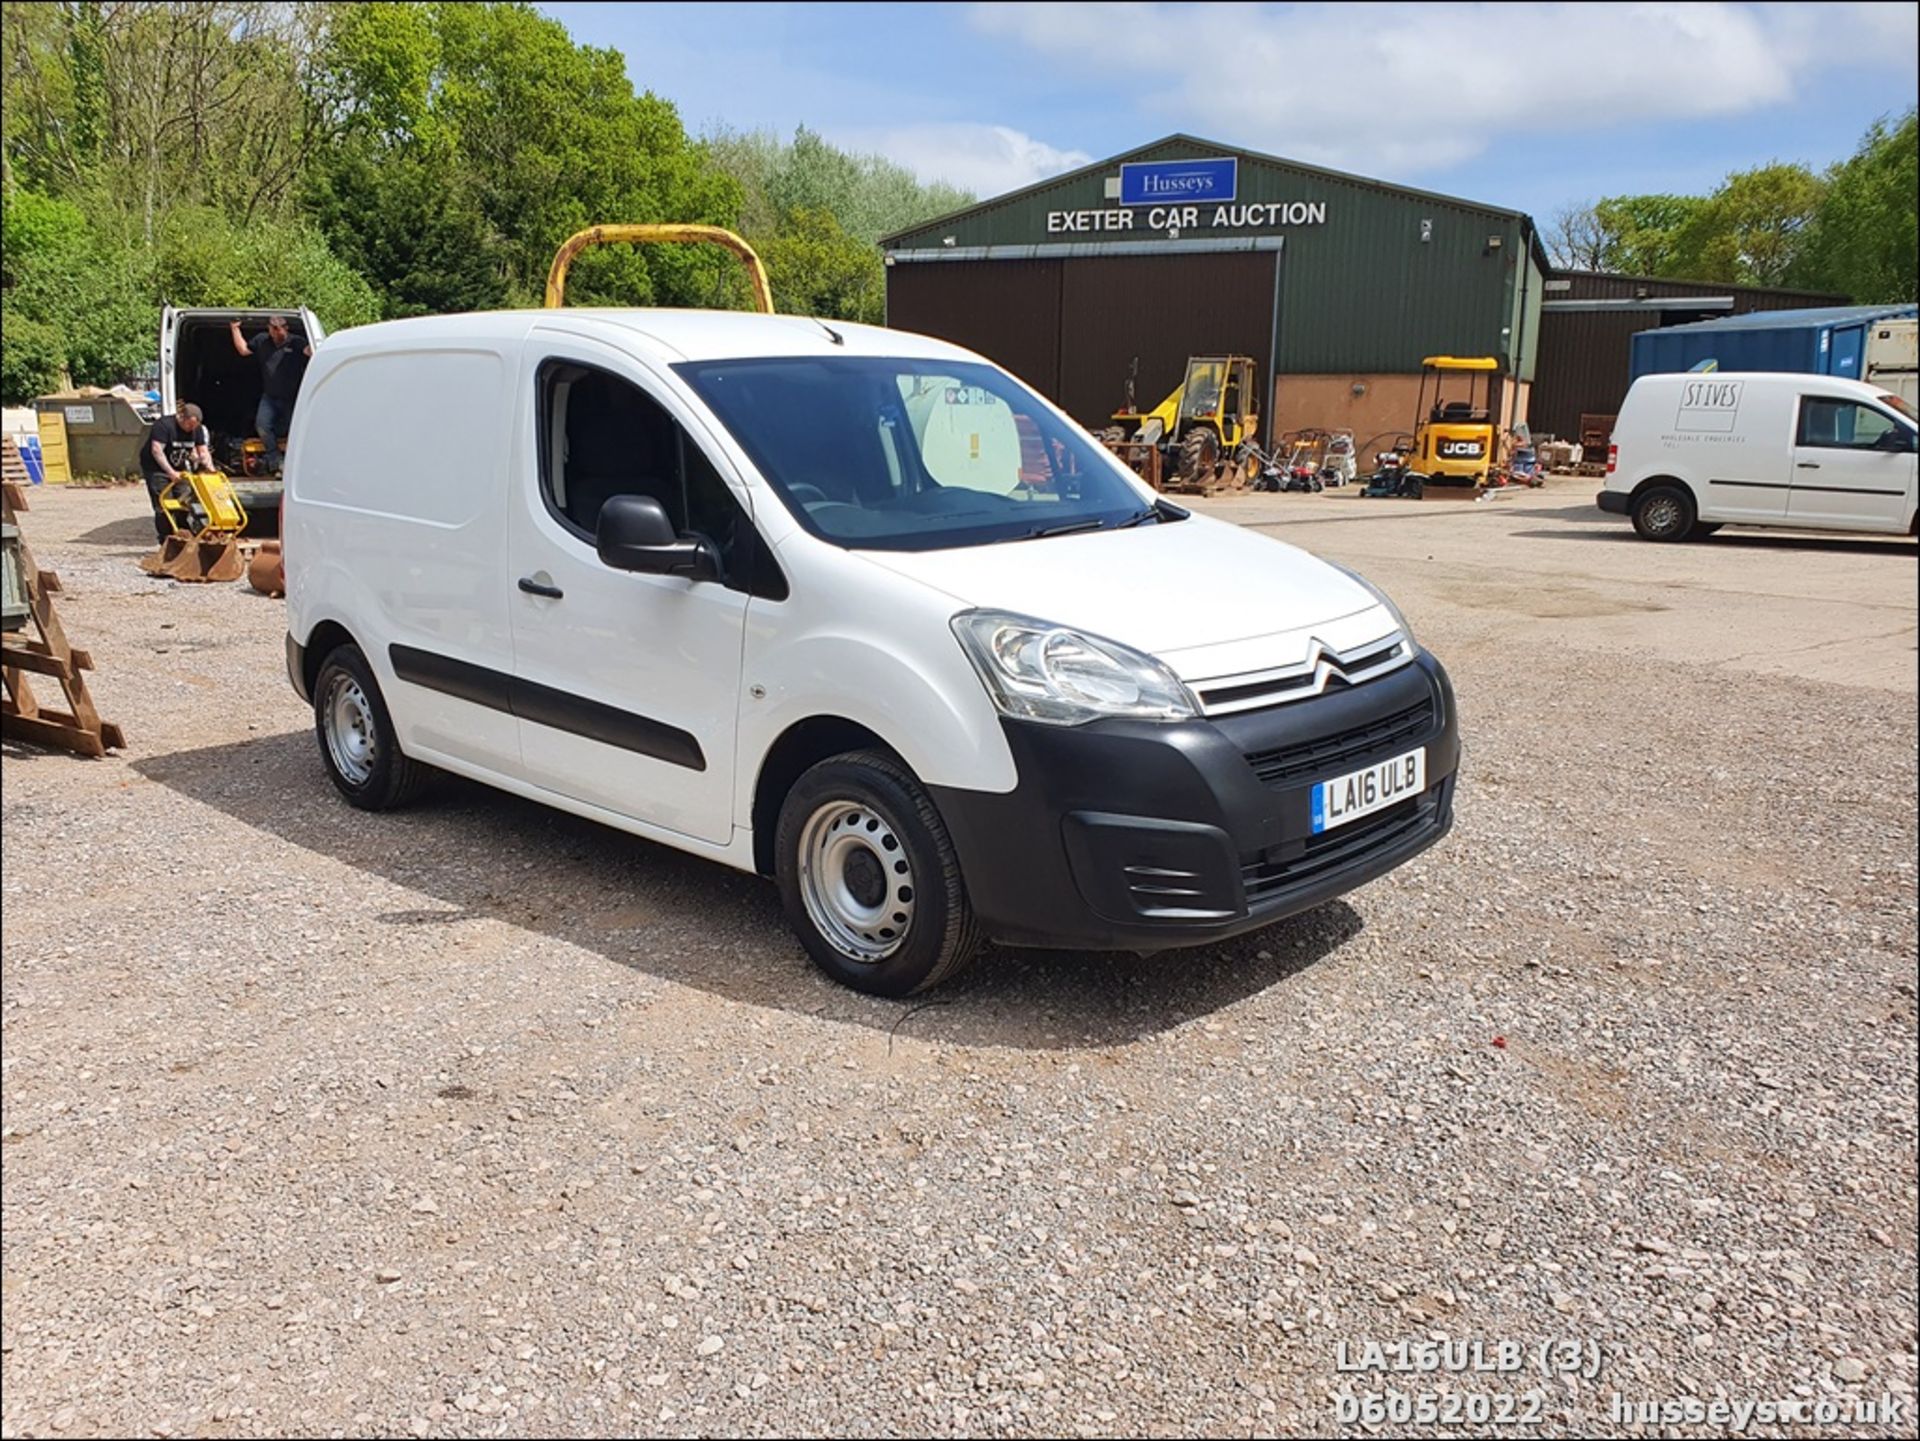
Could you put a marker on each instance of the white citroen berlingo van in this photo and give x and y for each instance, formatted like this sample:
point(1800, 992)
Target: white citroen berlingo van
point(849, 608)
point(1695, 451)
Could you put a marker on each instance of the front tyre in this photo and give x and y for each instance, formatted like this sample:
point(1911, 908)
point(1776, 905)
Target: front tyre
point(1663, 512)
point(357, 740)
point(870, 879)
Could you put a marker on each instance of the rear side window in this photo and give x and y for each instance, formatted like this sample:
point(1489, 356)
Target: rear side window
point(1842, 424)
point(602, 436)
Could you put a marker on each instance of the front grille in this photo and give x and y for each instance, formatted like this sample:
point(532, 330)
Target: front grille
point(1266, 875)
point(1332, 754)
point(1322, 671)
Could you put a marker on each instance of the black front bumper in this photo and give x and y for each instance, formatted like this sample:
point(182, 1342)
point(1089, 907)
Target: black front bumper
point(1613, 502)
point(1141, 835)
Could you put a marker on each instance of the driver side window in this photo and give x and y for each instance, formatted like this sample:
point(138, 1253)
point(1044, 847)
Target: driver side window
point(602, 436)
point(1841, 424)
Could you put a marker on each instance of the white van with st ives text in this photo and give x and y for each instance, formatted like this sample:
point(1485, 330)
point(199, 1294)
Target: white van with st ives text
point(849, 608)
point(1700, 450)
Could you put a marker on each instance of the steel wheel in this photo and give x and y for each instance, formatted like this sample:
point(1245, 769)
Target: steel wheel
point(1664, 512)
point(856, 880)
point(1664, 515)
point(352, 733)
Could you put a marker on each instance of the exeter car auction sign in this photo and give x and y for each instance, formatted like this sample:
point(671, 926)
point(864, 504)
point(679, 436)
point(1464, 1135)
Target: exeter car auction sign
point(1172, 219)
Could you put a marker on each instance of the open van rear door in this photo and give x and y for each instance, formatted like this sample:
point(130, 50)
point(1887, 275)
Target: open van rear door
point(311, 327)
point(169, 338)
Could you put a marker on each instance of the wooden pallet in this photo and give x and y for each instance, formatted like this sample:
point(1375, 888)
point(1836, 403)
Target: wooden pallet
point(79, 727)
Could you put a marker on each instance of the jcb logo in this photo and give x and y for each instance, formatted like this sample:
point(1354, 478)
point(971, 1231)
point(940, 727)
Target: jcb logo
point(1460, 449)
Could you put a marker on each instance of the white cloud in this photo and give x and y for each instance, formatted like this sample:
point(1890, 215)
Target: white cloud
point(989, 160)
point(1424, 87)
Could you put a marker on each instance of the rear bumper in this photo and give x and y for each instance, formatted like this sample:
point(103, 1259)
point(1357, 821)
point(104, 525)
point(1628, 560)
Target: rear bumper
point(297, 668)
point(1613, 502)
point(1133, 835)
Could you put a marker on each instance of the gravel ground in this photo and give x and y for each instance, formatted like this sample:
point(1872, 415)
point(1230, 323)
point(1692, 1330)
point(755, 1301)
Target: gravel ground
point(482, 1120)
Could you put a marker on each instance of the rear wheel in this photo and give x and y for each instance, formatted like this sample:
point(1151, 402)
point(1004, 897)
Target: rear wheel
point(1663, 512)
point(870, 879)
point(357, 741)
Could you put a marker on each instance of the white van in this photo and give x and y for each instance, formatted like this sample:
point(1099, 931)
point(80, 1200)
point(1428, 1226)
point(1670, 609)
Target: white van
point(1696, 451)
point(849, 608)
point(199, 364)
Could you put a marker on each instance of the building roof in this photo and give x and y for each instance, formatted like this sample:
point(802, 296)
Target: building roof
point(1797, 319)
point(1181, 138)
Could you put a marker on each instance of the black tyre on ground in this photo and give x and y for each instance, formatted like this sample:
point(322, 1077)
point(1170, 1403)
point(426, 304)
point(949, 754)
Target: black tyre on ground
point(357, 741)
point(869, 877)
point(1199, 454)
point(1663, 512)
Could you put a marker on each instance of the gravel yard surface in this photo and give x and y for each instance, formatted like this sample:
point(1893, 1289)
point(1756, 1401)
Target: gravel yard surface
point(479, 1119)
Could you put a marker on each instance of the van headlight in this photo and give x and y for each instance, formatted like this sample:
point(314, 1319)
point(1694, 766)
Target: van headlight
point(1050, 673)
point(1378, 594)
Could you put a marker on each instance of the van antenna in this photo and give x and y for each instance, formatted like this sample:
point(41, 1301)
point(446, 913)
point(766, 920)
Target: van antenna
point(835, 336)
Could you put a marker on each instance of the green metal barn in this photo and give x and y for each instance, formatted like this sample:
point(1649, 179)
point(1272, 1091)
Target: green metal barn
point(1338, 286)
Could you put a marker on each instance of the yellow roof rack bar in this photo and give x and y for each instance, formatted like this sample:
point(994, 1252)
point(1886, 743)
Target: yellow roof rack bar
point(1450, 362)
point(674, 234)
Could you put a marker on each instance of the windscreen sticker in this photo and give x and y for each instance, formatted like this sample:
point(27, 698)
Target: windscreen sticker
point(1708, 406)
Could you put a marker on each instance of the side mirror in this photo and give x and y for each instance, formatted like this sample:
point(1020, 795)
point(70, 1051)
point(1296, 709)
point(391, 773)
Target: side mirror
point(635, 533)
point(1899, 440)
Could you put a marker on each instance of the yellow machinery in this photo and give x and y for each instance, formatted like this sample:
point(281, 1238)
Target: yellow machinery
point(207, 519)
point(677, 234)
point(1201, 437)
point(1454, 440)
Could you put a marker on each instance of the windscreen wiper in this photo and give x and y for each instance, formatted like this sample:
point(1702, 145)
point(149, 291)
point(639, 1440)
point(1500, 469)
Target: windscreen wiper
point(1160, 510)
point(1068, 528)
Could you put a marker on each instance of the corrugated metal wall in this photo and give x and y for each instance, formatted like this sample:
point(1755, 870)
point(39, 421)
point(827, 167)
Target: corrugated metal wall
point(1585, 355)
point(1161, 309)
point(1008, 310)
point(1072, 328)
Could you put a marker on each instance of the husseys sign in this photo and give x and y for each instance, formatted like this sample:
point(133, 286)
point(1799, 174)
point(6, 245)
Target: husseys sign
point(1176, 195)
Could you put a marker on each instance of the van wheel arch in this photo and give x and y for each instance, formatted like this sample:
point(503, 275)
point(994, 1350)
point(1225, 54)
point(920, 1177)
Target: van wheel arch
point(1651, 481)
point(800, 747)
point(326, 638)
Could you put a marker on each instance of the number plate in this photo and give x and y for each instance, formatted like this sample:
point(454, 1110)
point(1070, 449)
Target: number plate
point(1362, 792)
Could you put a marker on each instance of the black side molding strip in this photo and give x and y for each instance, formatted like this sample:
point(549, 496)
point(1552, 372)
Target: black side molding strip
point(1754, 484)
point(1845, 490)
point(452, 677)
point(544, 705)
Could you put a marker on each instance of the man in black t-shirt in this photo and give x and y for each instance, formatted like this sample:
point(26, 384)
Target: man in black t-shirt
point(173, 442)
point(283, 355)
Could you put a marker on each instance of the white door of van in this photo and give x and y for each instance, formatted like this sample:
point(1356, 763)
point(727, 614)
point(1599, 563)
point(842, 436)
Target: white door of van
point(1853, 465)
point(626, 685)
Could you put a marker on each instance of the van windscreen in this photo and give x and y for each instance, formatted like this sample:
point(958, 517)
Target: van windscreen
point(882, 453)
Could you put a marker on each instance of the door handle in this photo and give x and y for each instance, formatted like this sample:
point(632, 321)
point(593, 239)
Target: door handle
point(1804, 465)
point(534, 587)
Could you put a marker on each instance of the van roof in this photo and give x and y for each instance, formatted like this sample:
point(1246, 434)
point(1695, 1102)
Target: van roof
point(669, 335)
point(1844, 384)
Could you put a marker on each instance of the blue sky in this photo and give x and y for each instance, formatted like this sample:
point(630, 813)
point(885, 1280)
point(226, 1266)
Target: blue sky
point(1523, 105)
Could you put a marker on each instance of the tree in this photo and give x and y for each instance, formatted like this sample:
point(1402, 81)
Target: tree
point(1576, 239)
point(491, 119)
point(32, 361)
point(1641, 230)
point(816, 268)
point(1865, 238)
point(1752, 229)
